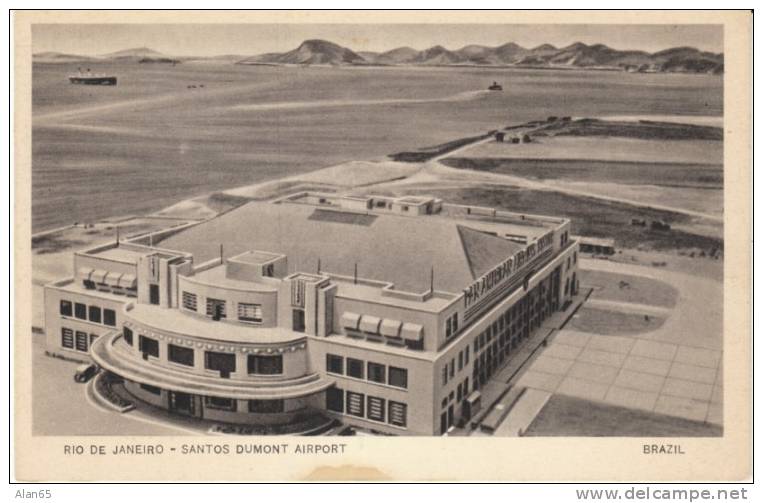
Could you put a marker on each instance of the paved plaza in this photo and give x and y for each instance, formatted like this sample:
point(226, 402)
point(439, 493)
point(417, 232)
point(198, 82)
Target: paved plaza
point(664, 378)
point(675, 370)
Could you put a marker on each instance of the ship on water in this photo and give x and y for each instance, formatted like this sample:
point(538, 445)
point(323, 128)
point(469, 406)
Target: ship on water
point(89, 78)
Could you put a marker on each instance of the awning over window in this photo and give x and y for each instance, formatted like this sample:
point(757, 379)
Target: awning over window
point(128, 281)
point(99, 276)
point(390, 328)
point(350, 320)
point(412, 332)
point(112, 278)
point(370, 324)
point(85, 272)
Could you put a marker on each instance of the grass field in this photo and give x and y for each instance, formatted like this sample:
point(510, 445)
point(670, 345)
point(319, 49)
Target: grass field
point(590, 216)
point(573, 417)
point(628, 288)
point(606, 322)
point(606, 149)
point(665, 174)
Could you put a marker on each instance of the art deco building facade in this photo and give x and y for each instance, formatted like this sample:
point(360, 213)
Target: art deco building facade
point(388, 314)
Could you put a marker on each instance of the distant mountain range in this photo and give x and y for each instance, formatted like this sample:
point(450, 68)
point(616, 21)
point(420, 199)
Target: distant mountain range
point(578, 55)
point(136, 55)
point(322, 52)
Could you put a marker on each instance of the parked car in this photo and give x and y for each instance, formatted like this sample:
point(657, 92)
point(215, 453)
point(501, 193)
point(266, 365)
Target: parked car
point(85, 372)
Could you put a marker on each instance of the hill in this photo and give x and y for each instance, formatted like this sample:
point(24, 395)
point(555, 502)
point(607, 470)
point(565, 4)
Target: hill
point(59, 57)
point(310, 52)
point(577, 55)
point(140, 55)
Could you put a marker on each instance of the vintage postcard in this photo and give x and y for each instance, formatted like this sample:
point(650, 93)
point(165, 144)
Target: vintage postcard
point(470, 246)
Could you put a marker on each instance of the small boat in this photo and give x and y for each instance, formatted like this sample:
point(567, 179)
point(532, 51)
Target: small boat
point(495, 87)
point(88, 78)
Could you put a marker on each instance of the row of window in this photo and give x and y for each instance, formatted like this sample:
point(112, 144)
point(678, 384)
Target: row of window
point(88, 313)
point(225, 363)
point(103, 287)
point(369, 407)
point(513, 316)
point(501, 337)
point(216, 308)
point(461, 392)
point(449, 369)
point(230, 404)
point(374, 372)
point(572, 260)
point(79, 341)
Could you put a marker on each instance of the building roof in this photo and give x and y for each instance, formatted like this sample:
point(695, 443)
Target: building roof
point(118, 253)
point(386, 247)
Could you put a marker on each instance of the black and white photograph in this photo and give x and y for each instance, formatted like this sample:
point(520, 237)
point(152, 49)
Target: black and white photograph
point(253, 232)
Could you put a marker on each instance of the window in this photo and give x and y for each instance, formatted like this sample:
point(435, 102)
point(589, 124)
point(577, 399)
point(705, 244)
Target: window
point(153, 294)
point(80, 311)
point(94, 314)
point(448, 328)
point(445, 374)
point(267, 365)
point(458, 392)
point(80, 342)
point(93, 337)
point(216, 308)
point(398, 377)
point(376, 408)
point(466, 355)
point(66, 308)
point(189, 301)
point(455, 322)
point(266, 406)
point(151, 389)
point(354, 368)
point(109, 317)
point(225, 363)
point(148, 346)
point(376, 372)
point(452, 367)
point(460, 360)
point(127, 335)
point(67, 338)
point(334, 364)
point(298, 320)
point(217, 403)
point(250, 312)
point(179, 354)
point(397, 413)
point(335, 399)
point(355, 404)
point(415, 345)
point(574, 257)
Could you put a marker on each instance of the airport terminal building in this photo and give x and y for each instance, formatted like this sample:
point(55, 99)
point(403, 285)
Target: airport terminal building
point(387, 314)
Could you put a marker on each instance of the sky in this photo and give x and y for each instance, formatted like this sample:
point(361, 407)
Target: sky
point(251, 39)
